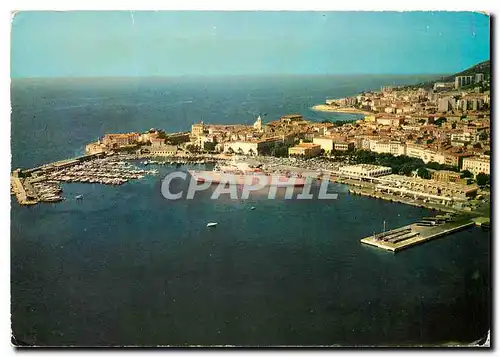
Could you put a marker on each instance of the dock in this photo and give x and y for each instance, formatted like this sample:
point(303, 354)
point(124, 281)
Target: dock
point(24, 195)
point(413, 234)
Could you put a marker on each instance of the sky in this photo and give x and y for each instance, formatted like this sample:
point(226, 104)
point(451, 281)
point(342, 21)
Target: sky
point(180, 43)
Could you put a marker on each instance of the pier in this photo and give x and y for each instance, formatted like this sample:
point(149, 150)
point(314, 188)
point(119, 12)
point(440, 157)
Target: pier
point(413, 234)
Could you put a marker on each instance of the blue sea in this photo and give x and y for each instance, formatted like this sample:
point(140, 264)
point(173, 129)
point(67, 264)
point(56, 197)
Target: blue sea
point(124, 266)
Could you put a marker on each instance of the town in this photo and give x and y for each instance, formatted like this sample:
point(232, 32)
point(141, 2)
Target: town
point(427, 145)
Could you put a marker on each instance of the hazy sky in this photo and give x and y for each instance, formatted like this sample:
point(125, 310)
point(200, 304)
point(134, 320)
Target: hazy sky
point(66, 44)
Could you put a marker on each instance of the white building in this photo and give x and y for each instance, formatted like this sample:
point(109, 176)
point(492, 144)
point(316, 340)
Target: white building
point(242, 147)
point(325, 143)
point(425, 154)
point(464, 136)
point(258, 124)
point(445, 104)
point(385, 146)
point(477, 164)
point(365, 171)
point(253, 148)
point(461, 81)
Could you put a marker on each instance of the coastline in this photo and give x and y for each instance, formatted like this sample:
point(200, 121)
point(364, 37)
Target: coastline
point(328, 108)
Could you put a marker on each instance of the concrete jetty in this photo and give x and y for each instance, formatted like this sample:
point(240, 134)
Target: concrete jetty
point(413, 234)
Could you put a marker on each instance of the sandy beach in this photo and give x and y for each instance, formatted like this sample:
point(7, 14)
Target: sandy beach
point(328, 108)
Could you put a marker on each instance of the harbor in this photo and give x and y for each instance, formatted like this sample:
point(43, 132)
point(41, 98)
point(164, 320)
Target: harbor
point(427, 229)
point(43, 183)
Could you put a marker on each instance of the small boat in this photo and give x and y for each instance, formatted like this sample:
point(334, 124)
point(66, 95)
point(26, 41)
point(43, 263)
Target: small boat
point(252, 208)
point(211, 224)
point(79, 197)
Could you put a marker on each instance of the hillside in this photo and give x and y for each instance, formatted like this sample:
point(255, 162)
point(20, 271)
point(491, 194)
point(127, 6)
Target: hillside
point(483, 67)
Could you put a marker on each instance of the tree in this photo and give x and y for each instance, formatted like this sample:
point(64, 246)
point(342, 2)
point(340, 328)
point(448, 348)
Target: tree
point(406, 169)
point(466, 174)
point(162, 134)
point(433, 165)
point(440, 121)
point(482, 179)
point(453, 125)
point(209, 146)
point(192, 148)
point(483, 136)
point(423, 173)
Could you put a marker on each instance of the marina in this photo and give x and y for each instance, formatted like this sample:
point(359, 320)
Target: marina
point(43, 184)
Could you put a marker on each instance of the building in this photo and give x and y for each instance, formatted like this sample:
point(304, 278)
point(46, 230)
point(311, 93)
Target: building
point(430, 189)
point(462, 81)
point(343, 146)
point(258, 124)
point(155, 142)
point(446, 176)
point(479, 77)
point(386, 146)
point(177, 138)
point(443, 85)
point(365, 171)
point(197, 129)
point(118, 140)
point(446, 104)
point(427, 155)
point(250, 147)
point(163, 150)
point(305, 150)
point(290, 118)
point(325, 143)
point(241, 147)
point(477, 164)
point(464, 136)
point(95, 148)
point(455, 159)
point(389, 121)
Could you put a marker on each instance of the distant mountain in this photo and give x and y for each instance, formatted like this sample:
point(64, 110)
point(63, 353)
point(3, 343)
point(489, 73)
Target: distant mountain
point(483, 67)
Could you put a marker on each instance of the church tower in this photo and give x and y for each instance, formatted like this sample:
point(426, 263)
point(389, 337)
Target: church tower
point(258, 124)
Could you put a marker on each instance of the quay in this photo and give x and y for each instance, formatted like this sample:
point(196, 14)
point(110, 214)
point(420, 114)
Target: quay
point(413, 234)
point(399, 199)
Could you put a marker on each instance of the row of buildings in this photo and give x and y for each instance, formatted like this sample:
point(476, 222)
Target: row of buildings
point(445, 186)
